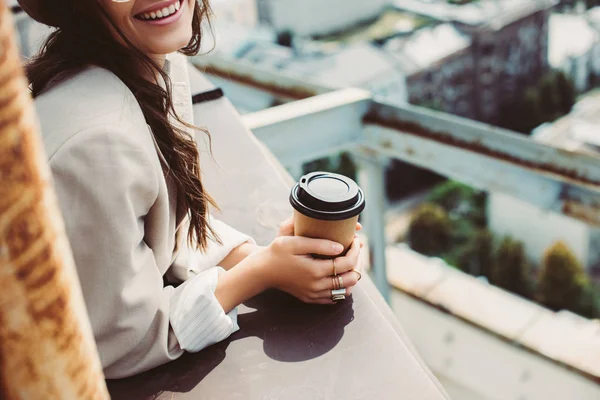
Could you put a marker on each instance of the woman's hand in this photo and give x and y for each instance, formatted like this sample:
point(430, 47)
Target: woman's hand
point(289, 266)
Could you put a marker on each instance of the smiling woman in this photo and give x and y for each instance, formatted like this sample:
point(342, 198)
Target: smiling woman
point(154, 27)
point(114, 107)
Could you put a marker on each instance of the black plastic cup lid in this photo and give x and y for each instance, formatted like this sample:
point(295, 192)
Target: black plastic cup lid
point(327, 196)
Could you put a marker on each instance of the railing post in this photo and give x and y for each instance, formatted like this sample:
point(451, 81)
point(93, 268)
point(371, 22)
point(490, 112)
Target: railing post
point(371, 178)
point(47, 348)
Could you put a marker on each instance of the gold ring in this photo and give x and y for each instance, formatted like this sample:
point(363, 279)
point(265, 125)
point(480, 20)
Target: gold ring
point(340, 281)
point(334, 282)
point(359, 275)
point(334, 269)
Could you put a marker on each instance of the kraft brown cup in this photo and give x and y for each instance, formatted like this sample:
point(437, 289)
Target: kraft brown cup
point(341, 232)
point(327, 206)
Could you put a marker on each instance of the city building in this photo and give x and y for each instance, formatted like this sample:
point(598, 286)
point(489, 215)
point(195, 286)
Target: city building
point(438, 63)
point(537, 228)
point(509, 45)
point(317, 17)
point(372, 69)
point(574, 48)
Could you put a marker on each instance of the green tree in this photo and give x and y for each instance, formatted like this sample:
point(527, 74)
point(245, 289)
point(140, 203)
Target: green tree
point(481, 254)
point(346, 166)
point(510, 269)
point(592, 3)
point(549, 97)
point(450, 195)
point(531, 114)
point(566, 93)
point(562, 282)
point(462, 201)
point(430, 230)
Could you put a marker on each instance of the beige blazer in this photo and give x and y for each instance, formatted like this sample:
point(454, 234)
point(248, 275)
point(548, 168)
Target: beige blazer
point(121, 219)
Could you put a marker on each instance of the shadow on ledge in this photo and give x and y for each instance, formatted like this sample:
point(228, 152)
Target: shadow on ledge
point(291, 331)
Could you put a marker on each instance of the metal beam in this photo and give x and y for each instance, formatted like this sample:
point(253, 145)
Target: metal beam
point(312, 128)
point(488, 157)
point(477, 154)
point(244, 73)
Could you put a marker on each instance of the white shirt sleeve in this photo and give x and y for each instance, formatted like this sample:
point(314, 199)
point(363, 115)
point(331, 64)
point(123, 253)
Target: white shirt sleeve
point(190, 262)
point(196, 316)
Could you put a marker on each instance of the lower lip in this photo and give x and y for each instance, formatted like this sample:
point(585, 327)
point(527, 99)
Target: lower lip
point(169, 20)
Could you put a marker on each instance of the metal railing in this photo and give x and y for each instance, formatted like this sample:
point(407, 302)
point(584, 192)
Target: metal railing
point(477, 154)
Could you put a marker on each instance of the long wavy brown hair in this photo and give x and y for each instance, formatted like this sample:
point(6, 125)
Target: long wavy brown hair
point(84, 38)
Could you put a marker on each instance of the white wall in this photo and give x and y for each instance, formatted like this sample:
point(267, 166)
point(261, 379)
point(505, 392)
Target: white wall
point(476, 365)
point(317, 17)
point(538, 229)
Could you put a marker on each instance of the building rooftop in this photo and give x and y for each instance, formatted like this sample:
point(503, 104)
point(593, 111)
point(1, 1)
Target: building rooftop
point(570, 36)
point(576, 131)
point(368, 62)
point(390, 23)
point(426, 47)
point(492, 13)
point(562, 337)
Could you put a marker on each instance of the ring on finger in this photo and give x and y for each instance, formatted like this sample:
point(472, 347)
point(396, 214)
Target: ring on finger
point(335, 283)
point(340, 282)
point(338, 298)
point(359, 275)
point(334, 268)
point(338, 292)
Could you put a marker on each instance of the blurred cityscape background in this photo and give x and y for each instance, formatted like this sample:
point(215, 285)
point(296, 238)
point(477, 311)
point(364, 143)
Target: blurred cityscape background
point(500, 296)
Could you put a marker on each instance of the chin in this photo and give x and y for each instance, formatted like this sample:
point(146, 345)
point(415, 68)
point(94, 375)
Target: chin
point(170, 44)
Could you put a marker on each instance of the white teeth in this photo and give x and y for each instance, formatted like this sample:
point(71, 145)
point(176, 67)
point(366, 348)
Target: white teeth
point(165, 12)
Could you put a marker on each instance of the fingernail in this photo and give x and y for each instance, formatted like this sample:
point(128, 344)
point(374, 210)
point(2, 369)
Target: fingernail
point(338, 247)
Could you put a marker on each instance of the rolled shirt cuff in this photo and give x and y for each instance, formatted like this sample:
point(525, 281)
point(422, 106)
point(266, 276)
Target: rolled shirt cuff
point(197, 318)
point(192, 262)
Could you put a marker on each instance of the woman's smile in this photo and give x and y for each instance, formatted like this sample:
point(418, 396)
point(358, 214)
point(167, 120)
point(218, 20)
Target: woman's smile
point(162, 13)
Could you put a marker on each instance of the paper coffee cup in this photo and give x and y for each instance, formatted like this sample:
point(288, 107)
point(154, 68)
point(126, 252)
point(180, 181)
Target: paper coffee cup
point(327, 206)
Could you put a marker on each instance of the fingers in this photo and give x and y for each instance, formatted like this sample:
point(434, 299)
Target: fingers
point(342, 264)
point(287, 227)
point(326, 295)
point(325, 285)
point(303, 246)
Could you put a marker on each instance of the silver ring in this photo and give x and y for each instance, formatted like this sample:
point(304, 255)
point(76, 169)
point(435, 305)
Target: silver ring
point(338, 298)
point(338, 292)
